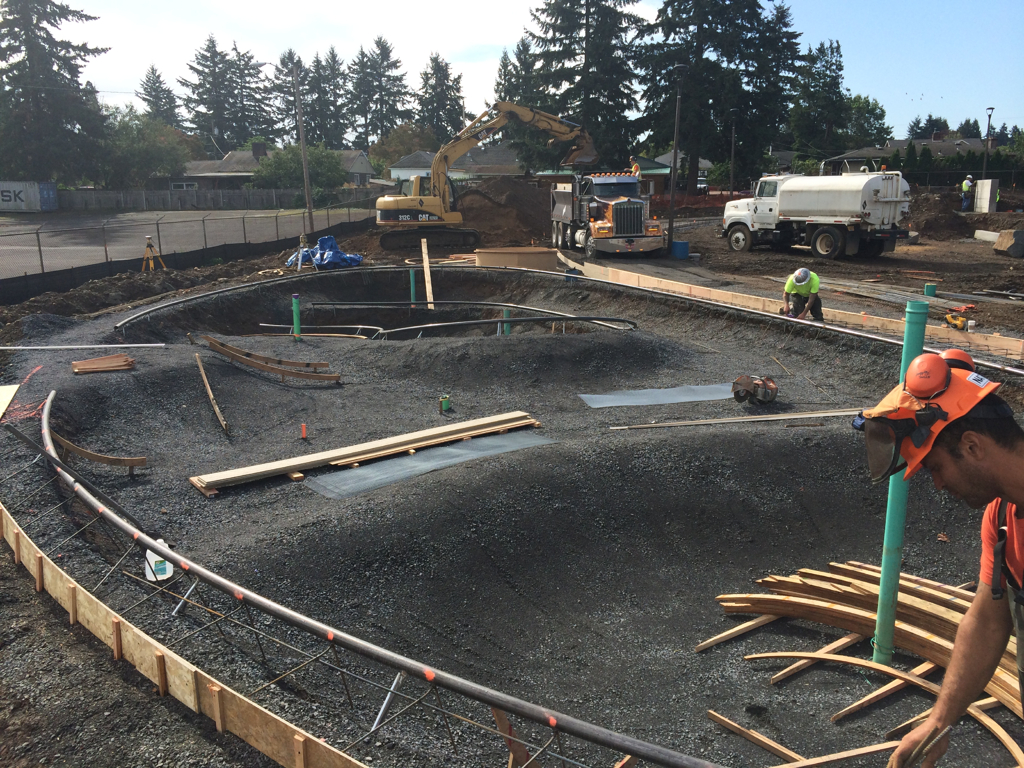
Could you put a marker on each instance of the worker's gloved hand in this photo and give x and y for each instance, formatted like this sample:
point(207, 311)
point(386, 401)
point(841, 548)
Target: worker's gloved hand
point(913, 740)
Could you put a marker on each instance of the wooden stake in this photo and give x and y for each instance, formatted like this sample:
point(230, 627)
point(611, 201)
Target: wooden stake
point(627, 762)
point(736, 631)
point(218, 708)
point(300, 751)
point(39, 571)
point(920, 670)
point(296, 477)
point(838, 645)
point(17, 547)
point(755, 738)
point(73, 604)
point(874, 749)
point(426, 274)
point(518, 754)
point(209, 393)
point(115, 625)
point(161, 672)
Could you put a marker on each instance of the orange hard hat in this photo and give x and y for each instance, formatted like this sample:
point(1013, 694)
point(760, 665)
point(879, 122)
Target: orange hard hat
point(957, 358)
point(907, 421)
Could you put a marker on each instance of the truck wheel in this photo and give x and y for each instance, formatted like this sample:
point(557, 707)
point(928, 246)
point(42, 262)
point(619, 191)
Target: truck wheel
point(554, 234)
point(828, 243)
point(871, 249)
point(739, 238)
point(590, 248)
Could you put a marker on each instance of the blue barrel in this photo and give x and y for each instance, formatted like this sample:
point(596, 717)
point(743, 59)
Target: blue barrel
point(680, 249)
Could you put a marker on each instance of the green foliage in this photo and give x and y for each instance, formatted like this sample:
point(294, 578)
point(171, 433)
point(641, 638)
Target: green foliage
point(440, 106)
point(248, 112)
point(822, 105)
point(287, 70)
point(283, 169)
point(319, 196)
point(51, 126)
point(910, 160)
point(925, 159)
point(206, 103)
point(806, 167)
point(519, 83)
point(247, 145)
point(138, 147)
point(969, 129)
point(867, 127)
point(327, 119)
point(378, 95)
point(894, 163)
point(161, 103)
point(918, 129)
point(404, 140)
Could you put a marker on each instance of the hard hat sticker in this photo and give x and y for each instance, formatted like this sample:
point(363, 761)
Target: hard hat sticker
point(978, 379)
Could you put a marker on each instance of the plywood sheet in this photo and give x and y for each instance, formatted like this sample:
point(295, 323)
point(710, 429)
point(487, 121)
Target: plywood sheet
point(7, 394)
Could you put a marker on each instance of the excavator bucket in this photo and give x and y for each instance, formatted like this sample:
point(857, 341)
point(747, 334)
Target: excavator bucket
point(582, 152)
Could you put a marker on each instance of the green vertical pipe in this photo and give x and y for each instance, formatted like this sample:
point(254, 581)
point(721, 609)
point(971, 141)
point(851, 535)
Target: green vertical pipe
point(896, 509)
point(412, 286)
point(929, 289)
point(296, 326)
point(508, 326)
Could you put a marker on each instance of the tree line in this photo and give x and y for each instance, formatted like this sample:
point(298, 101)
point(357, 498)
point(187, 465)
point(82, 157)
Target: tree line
point(734, 65)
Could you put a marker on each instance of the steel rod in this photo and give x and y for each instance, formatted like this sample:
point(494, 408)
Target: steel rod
point(632, 326)
point(113, 568)
point(83, 346)
point(292, 671)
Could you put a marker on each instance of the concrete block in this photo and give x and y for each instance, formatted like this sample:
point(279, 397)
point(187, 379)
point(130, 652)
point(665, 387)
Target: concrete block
point(985, 195)
point(1010, 243)
point(988, 237)
point(913, 238)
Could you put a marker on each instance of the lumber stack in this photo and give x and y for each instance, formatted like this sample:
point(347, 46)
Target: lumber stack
point(390, 446)
point(119, 362)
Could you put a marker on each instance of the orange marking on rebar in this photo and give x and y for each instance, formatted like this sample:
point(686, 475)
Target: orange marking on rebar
point(330, 635)
point(135, 535)
point(552, 722)
point(429, 674)
point(184, 565)
point(239, 595)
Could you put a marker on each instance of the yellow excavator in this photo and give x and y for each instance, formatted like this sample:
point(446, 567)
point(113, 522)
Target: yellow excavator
point(426, 207)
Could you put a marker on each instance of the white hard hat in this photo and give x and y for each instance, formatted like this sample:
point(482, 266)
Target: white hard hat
point(801, 276)
point(969, 176)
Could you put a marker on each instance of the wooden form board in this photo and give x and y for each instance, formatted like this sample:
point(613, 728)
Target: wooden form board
point(99, 458)
point(7, 394)
point(261, 358)
point(119, 362)
point(755, 738)
point(426, 274)
point(282, 372)
point(352, 454)
point(270, 734)
point(209, 394)
point(993, 343)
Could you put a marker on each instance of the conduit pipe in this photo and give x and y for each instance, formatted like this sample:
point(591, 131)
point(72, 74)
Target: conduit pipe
point(578, 278)
point(631, 326)
point(431, 675)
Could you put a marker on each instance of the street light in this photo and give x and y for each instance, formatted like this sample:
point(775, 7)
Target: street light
point(679, 70)
point(988, 130)
point(732, 152)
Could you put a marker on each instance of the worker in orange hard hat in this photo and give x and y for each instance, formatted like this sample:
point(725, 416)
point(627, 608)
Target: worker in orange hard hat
point(946, 418)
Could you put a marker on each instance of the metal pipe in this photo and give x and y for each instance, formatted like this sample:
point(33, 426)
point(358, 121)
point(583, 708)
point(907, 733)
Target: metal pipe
point(896, 508)
point(418, 670)
point(632, 325)
point(84, 346)
point(296, 325)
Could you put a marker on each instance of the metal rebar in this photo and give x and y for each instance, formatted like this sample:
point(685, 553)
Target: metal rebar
point(22, 500)
point(41, 515)
point(185, 598)
point(291, 671)
point(444, 719)
point(632, 326)
point(19, 471)
point(69, 538)
point(253, 625)
point(395, 716)
point(113, 568)
point(540, 752)
point(205, 626)
point(151, 595)
point(387, 700)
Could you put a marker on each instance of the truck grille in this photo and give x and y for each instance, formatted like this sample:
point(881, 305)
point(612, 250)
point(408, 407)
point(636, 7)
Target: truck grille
point(628, 218)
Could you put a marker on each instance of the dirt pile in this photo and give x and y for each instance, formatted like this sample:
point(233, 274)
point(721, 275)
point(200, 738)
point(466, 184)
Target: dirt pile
point(934, 216)
point(507, 211)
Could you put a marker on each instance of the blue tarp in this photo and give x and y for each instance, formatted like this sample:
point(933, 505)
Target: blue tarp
point(326, 255)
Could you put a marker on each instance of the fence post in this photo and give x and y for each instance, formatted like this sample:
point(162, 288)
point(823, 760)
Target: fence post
point(328, 217)
point(204, 234)
point(159, 244)
point(39, 245)
point(106, 253)
point(277, 228)
point(245, 237)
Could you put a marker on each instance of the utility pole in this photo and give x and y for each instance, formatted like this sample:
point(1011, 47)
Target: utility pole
point(732, 152)
point(988, 131)
point(678, 69)
point(302, 145)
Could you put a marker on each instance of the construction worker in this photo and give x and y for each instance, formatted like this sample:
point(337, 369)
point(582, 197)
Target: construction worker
point(945, 418)
point(965, 192)
point(634, 167)
point(800, 296)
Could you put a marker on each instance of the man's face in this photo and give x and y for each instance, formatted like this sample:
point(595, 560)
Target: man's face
point(961, 477)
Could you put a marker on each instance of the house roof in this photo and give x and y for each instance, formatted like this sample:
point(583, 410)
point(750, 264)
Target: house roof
point(241, 162)
point(944, 148)
point(666, 159)
point(421, 159)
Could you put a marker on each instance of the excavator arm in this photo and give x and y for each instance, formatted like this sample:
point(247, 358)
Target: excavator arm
point(486, 125)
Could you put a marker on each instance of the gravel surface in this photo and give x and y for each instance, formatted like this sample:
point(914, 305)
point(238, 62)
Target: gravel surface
point(577, 575)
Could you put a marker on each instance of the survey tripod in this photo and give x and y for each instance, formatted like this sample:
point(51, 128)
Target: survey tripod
point(151, 254)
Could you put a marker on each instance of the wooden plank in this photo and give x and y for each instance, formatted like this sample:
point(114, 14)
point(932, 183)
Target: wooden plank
point(426, 273)
point(207, 492)
point(119, 362)
point(209, 393)
point(839, 645)
point(740, 629)
point(836, 757)
point(959, 592)
point(7, 393)
point(744, 419)
point(296, 477)
point(261, 358)
point(95, 616)
point(921, 670)
point(161, 672)
point(282, 372)
point(755, 738)
point(299, 742)
point(627, 762)
point(518, 754)
point(399, 443)
point(99, 458)
point(116, 632)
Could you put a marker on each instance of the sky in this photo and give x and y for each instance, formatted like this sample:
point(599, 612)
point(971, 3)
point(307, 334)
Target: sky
point(913, 56)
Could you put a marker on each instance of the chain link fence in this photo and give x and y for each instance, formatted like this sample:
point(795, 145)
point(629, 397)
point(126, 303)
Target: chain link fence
point(55, 246)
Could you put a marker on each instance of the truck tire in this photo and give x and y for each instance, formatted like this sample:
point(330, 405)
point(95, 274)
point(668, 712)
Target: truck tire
point(739, 238)
point(871, 249)
point(828, 242)
point(554, 234)
point(590, 248)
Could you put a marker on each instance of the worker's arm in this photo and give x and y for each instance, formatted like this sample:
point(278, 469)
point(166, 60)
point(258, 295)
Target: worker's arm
point(980, 642)
point(807, 307)
point(785, 301)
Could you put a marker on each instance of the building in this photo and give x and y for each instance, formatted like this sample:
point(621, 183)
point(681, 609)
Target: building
point(874, 157)
point(416, 164)
point(481, 162)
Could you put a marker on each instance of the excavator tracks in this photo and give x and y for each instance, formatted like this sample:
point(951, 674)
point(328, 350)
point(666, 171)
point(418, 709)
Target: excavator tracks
point(436, 237)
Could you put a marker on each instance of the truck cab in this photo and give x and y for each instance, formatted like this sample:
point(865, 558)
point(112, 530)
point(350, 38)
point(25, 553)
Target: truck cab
point(604, 213)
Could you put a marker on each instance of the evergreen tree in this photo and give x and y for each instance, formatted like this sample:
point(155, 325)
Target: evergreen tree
point(867, 127)
point(924, 160)
point(282, 92)
point(327, 121)
point(1002, 136)
point(440, 106)
point(208, 100)
point(359, 100)
point(248, 113)
point(585, 55)
point(919, 129)
point(161, 103)
point(969, 129)
point(51, 126)
point(910, 161)
point(520, 84)
point(504, 82)
point(821, 110)
point(390, 93)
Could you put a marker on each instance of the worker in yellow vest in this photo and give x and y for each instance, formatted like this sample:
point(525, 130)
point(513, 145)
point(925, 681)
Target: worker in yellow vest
point(634, 167)
point(965, 192)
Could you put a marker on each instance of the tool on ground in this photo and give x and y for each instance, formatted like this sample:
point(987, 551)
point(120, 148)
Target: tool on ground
point(760, 389)
point(303, 431)
point(149, 255)
point(956, 321)
point(965, 308)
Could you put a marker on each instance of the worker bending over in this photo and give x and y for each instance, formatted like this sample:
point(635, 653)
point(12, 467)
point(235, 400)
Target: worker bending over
point(800, 296)
point(945, 418)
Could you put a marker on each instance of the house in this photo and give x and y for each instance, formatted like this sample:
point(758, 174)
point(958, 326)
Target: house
point(483, 161)
point(237, 167)
point(416, 164)
point(875, 157)
point(703, 164)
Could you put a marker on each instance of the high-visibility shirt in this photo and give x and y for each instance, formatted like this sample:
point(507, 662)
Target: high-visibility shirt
point(635, 170)
point(1014, 542)
point(966, 185)
point(805, 290)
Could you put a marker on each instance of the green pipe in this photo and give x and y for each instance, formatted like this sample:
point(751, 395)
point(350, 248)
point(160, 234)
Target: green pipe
point(929, 289)
point(296, 326)
point(896, 509)
point(412, 286)
point(508, 326)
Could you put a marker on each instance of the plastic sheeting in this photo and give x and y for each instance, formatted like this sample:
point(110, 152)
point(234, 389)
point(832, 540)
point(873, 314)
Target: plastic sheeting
point(349, 482)
point(326, 255)
point(689, 394)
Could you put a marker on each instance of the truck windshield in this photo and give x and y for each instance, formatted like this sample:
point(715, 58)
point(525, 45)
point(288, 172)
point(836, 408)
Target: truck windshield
point(767, 189)
point(621, 189)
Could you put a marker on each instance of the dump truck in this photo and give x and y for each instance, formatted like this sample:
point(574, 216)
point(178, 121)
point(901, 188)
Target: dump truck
point(856, 214)
point(603, 213)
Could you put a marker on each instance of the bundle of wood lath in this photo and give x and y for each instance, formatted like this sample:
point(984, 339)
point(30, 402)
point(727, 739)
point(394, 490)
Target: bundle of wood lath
point(120, 362)
point(845, 596)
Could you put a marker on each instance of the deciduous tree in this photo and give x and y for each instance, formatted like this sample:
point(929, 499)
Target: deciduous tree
point(283, 169)
point(867, 126)
point(139, 146)
point(404, 140)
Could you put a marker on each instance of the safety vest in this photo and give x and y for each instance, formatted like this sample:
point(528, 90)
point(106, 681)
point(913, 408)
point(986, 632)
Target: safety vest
point(966, 186)
point(635, 170)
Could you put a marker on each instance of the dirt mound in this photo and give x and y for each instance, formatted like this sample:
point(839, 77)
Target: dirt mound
point(507, 211)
